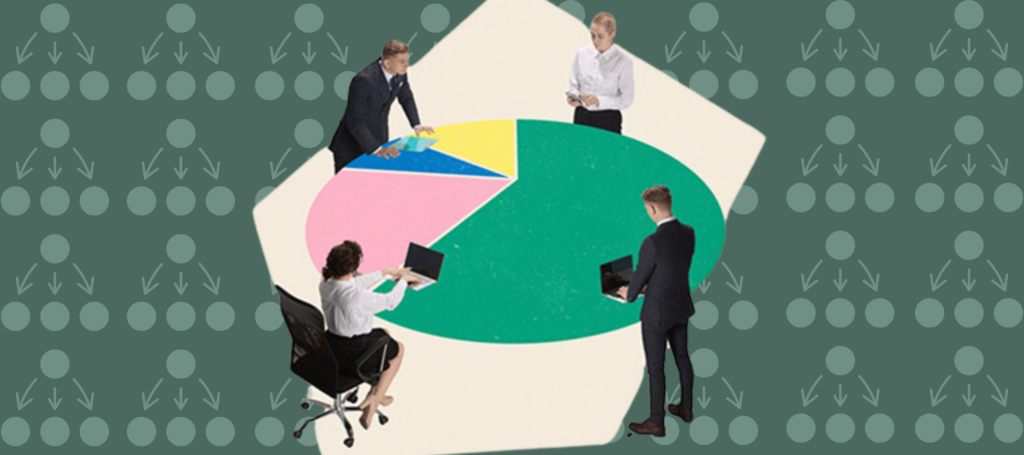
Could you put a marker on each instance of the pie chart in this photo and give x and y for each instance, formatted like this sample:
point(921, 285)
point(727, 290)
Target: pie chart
point(525, 212)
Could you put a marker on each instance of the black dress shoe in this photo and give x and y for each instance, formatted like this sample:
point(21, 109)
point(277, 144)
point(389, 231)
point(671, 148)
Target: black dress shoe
point(648, 427)
point(685, 414)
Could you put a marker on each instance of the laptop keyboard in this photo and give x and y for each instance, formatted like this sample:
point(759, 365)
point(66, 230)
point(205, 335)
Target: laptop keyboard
point(423, 281)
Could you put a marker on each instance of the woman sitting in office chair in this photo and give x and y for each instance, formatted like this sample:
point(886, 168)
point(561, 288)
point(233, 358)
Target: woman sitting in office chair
point(349, 307)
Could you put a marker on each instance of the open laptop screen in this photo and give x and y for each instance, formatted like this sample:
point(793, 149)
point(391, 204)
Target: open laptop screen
point(616, 274)
point(424, 261)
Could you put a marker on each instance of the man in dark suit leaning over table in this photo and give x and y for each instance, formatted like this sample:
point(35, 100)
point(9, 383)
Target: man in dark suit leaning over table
point(364, 126)
point(663, 275)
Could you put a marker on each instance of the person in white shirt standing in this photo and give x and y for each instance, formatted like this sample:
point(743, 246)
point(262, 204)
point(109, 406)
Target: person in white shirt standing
point(601, 79)
point(349, 306)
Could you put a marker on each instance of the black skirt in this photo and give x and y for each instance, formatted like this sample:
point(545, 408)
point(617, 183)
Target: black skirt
point(346, 350)
point(608, 120)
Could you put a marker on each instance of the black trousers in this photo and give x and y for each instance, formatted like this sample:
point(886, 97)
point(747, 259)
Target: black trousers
point(610, 120)
point(654, 348)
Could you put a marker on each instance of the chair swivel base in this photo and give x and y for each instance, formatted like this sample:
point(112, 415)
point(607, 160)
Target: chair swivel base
point(338, 408)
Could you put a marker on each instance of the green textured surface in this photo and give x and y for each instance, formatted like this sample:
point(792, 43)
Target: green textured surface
point(524, 268)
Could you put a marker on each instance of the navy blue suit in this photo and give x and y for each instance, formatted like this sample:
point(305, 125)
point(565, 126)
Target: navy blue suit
point(364, 126)
point(664, 268)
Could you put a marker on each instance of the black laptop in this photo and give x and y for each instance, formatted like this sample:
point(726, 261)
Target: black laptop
point(616, 274)
point(425, 264)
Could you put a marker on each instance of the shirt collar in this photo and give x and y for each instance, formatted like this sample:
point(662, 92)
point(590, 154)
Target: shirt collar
point(387, 76)
point(666, 220)
point(606, 54)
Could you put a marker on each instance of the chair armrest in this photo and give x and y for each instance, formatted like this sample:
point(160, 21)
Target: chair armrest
point(370, 355)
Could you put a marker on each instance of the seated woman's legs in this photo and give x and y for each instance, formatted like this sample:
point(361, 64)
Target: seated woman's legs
point(385, 398)
point(378, 393)
point(389, 374)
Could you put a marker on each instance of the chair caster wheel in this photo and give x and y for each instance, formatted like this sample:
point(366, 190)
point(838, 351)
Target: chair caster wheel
point(297, 434)
point(352, 398)
point(383, 419)
point(305, 405)
point(349, 442)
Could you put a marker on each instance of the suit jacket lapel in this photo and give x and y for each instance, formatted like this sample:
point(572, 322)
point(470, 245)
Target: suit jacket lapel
point(382, 82)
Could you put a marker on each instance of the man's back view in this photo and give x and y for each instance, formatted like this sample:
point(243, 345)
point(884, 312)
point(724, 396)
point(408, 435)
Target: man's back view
point(663, 268)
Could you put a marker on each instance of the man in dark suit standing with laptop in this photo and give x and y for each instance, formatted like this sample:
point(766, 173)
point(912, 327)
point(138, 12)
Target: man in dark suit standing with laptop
point(364, 126)
point(663, 275)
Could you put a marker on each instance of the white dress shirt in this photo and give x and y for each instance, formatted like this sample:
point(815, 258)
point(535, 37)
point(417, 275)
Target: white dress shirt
point(349, 305)
point(387, 75)
point(666, 220)
point(608, 74)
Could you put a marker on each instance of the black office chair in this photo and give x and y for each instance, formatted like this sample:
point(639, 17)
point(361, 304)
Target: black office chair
point(313, 361)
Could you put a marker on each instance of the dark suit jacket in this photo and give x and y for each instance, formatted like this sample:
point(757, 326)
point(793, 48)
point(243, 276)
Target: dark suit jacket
point(364, 126)
point(664, 267)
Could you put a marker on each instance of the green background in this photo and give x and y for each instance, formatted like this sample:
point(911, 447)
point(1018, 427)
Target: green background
point(769, 247)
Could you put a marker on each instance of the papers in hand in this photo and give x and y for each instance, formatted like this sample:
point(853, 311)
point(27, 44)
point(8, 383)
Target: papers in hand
point(414, 143)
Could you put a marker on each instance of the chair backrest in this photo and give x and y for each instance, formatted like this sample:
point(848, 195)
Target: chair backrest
point(312, 359)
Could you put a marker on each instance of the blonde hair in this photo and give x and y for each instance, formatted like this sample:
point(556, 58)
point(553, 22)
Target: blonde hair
point(658, 195)
point(606, 20)
point(393, 48)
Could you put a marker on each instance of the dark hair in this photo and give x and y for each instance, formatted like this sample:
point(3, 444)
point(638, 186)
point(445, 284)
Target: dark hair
point(393, 48)
point(658, 195)
point(343, 260)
